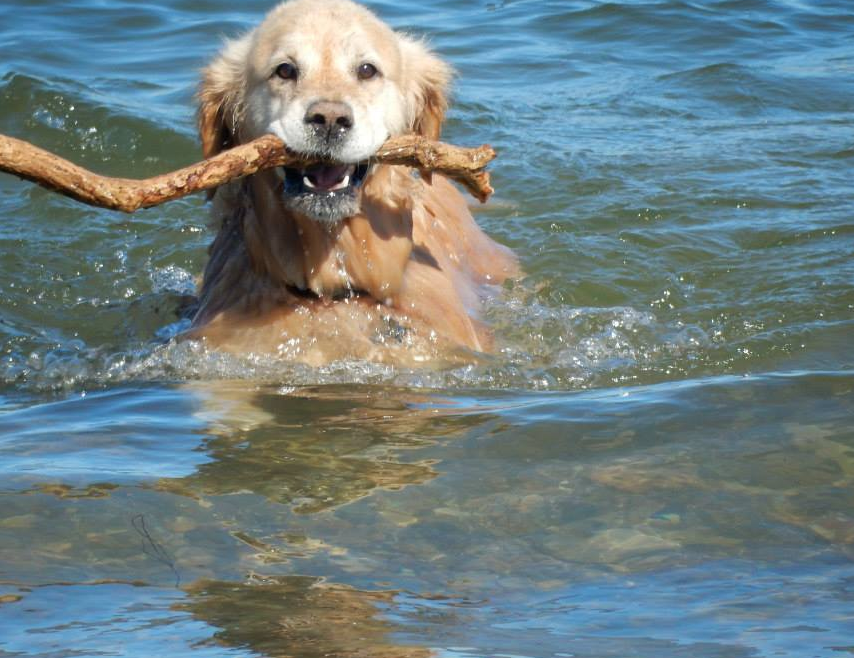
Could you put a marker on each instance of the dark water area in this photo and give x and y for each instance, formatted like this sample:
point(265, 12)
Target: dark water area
point(658, 460)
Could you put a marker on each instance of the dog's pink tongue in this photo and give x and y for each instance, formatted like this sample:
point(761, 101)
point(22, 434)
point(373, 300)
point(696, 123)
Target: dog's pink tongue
point(326, 177)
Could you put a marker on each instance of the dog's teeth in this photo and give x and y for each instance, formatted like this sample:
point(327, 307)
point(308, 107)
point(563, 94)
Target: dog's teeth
point(344, 183)
point(307, 182)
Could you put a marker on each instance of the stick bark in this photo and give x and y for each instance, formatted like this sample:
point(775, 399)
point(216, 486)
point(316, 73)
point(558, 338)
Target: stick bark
point(464, 165)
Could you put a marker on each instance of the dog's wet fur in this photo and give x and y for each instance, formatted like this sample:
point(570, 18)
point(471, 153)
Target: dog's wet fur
point(345, 259)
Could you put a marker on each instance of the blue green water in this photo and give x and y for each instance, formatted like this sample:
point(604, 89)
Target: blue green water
point(658, 461)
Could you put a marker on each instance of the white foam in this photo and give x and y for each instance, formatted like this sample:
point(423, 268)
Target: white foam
point(538, 346)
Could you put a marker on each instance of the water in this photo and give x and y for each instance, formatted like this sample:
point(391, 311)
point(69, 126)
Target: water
point(658, 461)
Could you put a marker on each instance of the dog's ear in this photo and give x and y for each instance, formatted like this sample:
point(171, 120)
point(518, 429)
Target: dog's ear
point(426, 79)
point(220, 98)
point(215, 136)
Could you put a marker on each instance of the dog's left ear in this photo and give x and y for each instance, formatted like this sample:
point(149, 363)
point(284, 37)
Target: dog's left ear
point(213, 132)
point(426, 87)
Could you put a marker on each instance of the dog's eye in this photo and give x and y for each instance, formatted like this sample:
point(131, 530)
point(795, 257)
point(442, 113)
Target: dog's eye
point(286, 71)
point(367, 71)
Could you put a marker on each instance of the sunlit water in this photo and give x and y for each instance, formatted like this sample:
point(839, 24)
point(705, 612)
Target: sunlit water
point(658, 461)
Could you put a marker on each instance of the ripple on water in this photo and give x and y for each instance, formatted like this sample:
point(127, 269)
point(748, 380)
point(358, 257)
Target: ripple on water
point(751, 90)
point(95, 128)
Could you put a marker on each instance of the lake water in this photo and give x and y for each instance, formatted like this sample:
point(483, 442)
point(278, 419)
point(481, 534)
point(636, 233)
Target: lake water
point(658, 461)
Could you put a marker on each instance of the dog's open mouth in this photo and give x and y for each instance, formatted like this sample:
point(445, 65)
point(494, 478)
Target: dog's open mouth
point(325, 178)
point(326, 192)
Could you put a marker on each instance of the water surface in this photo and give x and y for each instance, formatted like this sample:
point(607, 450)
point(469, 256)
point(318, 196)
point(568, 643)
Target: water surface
point(659, 460)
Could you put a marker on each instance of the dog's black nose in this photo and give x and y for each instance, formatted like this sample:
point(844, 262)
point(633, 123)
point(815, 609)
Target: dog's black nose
point(329, 119)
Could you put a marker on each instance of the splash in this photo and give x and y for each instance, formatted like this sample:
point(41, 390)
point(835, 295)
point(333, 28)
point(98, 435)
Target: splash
point(538, 347)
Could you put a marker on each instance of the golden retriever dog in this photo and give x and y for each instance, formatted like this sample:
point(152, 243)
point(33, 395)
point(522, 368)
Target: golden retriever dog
point(345, 259)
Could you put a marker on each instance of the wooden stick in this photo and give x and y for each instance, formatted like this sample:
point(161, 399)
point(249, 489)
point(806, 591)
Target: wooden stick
point(27, 161)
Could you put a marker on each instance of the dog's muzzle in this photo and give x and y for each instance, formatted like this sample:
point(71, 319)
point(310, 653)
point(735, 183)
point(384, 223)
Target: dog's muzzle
point(328, 191)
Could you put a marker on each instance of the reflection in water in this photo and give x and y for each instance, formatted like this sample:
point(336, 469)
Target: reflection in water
point(312, 450)
point(315, 449)
point(274, 453)
point(605, 517)
point(61, 490)
point(298, 617)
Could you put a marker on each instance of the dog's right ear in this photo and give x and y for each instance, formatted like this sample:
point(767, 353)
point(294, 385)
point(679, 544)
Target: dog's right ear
point(221, 98)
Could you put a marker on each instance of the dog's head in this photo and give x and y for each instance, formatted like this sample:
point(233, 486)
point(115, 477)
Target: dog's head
point(331, 80)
